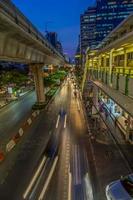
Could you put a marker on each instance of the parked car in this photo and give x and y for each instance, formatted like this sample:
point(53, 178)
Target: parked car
point(121, 189)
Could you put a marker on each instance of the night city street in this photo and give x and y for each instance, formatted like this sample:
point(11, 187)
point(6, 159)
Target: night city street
point(71, 144)
point(66, 100)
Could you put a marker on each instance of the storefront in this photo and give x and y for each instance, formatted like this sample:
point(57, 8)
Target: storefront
point(108, 107)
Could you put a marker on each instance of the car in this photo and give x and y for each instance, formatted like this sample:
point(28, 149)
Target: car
point(121, 189)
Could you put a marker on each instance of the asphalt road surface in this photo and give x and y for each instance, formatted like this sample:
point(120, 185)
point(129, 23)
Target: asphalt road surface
point(57, 159)
point(12, 115)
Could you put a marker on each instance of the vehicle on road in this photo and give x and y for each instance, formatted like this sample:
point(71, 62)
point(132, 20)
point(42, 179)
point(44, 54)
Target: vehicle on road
point(121, 189)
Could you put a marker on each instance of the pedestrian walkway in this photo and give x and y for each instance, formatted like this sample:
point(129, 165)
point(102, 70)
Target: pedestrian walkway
point(98, 130)
point(111, 154)
point(123, 101)
point(109, 163)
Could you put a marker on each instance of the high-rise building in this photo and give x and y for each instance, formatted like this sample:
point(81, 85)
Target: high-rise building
point(110, 13)
point(52, 38)
point(78, 55)
point(88, 29)
point(59, 47)
point(97, 22)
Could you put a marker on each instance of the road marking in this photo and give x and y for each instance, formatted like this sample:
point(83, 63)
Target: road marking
point(48, 179)
point(29, 121)
point(57, 123)
point(34, 178)
point(70, 186)
point(65, 121)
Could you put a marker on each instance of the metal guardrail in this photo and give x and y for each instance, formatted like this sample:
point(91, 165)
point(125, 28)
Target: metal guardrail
point(116, 70)
point(11, 11)
point(103, 74)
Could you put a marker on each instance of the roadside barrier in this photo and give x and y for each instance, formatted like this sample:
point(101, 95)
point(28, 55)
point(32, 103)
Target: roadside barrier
point(17, 137)
point(10, 145)
point(7, 148)
point(2, 156)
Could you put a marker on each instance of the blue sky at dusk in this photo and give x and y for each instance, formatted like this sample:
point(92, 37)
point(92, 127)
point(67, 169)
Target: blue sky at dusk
point(62, 16)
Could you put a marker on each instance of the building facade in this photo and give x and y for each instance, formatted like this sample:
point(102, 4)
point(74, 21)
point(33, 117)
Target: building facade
point(52, 37)
point(59, 47)
point(109, 70)
point(78, 55)
point(97, 22)
point(88, 29)
point(110, 13)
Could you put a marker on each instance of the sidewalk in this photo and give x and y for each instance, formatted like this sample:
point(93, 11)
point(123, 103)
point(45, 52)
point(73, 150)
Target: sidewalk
point(112, 156)
point(125, 102)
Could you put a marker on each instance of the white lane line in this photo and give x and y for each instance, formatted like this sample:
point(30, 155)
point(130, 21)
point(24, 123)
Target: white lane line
point(76, 165)
point(65, 121)
point(34, 177)
point(79, 164)
point(70, 186)
point(48, 179)
point(57, 123)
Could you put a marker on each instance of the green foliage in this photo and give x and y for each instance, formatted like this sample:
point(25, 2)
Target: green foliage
point(51, 92)
point(55, 78)
point(14, 77)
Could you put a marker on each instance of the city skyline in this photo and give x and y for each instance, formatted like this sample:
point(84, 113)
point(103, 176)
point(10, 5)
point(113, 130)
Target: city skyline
point(64, 19)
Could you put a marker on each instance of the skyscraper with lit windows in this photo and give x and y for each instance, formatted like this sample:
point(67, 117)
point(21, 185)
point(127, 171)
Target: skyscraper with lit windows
point(88, 29)
point(110, 13)
point(97, 22)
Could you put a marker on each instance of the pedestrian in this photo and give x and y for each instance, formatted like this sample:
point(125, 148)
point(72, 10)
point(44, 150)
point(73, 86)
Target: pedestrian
point(106, 113)
point(115, 121)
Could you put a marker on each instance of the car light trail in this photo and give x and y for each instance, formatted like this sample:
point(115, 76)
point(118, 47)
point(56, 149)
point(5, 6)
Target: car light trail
point(32, 194)
point(34, 178)
point(88, 187)
point(65, 121)
point(48, 179)
point(70, 185)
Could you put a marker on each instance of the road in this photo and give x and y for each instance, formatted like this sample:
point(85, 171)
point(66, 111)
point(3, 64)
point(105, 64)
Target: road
point(57, 159)
point(12, 115)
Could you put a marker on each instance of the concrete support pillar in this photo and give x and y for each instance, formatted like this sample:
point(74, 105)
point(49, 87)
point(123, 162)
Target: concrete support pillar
point(110, 64)
point(104, 62)
point(39, 85)
point(99, 61)
point(95, 99)
point(93, 62)
point(125, 58)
